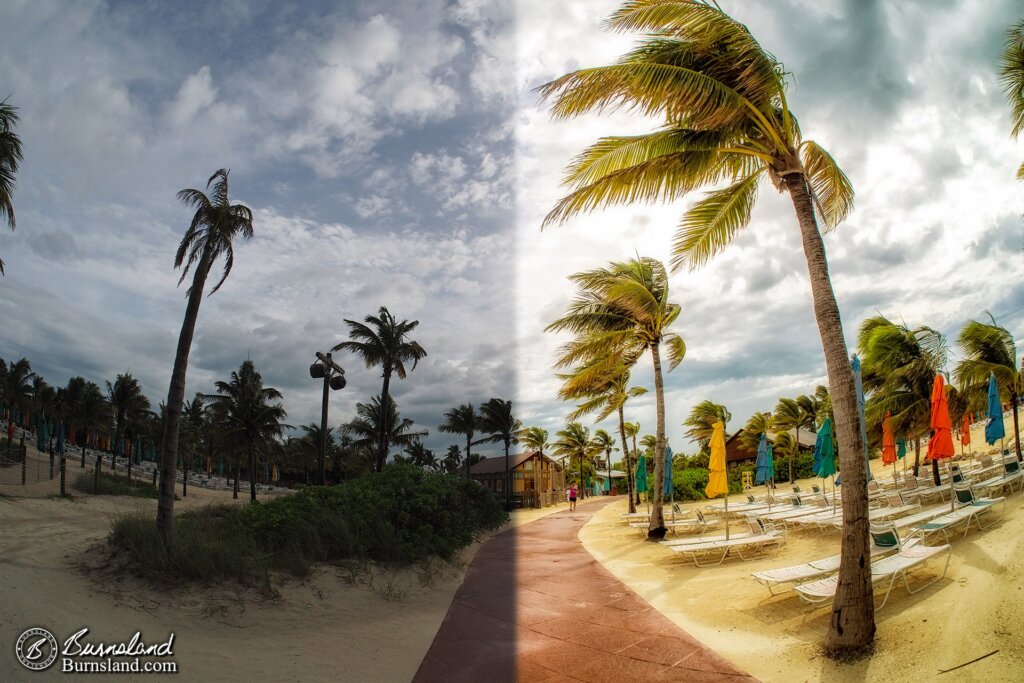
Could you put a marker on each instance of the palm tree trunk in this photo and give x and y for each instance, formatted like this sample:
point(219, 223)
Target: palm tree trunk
point(99, 465)
point(131, 457)
point(468, 446)
point(1016, 427)
point(252, 471)
point(234, 493)
point(508, 481)
point(382, 454)
point(636, 494)
point(625, 455)
point(175, 398)
point(793, 455)
point(917, 455)
point(184, 479)
point(852, 627)
point(656, 531)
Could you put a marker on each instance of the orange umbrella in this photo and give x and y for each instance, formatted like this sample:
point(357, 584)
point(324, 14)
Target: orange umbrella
point(965, 433)
point(941, 443)
point(889, 446)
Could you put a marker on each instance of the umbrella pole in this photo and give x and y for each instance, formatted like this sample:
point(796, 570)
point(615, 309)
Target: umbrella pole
point(727, 516)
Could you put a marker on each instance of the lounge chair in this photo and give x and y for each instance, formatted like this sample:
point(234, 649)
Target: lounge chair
point(886, 570)
point(970, 510)
point(1011, 476)
point(913, 488)
point(882, 544)
point(799, 510)
point(758, 541)
point(687, 525)
point(896, 507)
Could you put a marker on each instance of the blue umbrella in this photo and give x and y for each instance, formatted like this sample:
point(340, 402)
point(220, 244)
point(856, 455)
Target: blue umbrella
point(763, 472)
point(60, 439)
point(860, 409)
point(994, 429)
point(668, 489)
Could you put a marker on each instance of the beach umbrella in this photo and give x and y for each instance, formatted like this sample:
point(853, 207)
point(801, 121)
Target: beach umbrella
point(641, 475)
point(718, 477)
point(859, 384)
point(825, 456)
point(763, 467)
point(889, 446)
point(965, 434)
point(940, 445)
point(669, 489)
point(994, 429)
point(771, 466)
point(60, 438)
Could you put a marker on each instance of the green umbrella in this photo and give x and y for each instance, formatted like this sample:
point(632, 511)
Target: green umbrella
point(825, 462)
point(641, 476)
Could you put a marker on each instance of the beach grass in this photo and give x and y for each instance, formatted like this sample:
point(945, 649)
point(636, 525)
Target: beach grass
point(114, 485)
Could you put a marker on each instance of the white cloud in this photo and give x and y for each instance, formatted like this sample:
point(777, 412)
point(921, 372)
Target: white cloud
point(196, 94)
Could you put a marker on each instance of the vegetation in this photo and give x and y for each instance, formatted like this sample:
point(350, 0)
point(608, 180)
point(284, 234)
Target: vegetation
point(211, 235)
point(463, 420)
point(382, 340)
point(10, 157)
point(496, 420)
point(401, 514)
point(115, 485)
point(1011, 75)
point(722, 99)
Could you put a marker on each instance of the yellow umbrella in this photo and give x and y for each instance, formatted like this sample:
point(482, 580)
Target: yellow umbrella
point(718, 481)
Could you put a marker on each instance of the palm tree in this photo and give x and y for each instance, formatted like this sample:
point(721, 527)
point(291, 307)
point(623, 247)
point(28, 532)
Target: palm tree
point(1011, 74)
point(10, 156)
point(452, 459)
point(630, 431)
point(726, 118)
point(384, 341)
point(624, 309)
point(604, 392)
point(215, 225)
point(365, 429)
point(757, 424)
point(794, 413)
point(195, 414)
point(603, 441)
point(92, 415)
point(533, 439)
point(127, 401)
point(243, 407)
point(574, 442)
point(310, 443)
point(16, 387)
point(463, 420)
point(421, 456)
point(496, 419)
point(701, 423)
point(990, 349)
point(899, 368)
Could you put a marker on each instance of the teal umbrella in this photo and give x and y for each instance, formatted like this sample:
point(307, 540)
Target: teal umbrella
point(994, 429)
point(641, 475)
point(859, 384)
point(825, 455)
point(764, 467)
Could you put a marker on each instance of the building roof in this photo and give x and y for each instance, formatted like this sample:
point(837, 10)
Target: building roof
point(496, 464)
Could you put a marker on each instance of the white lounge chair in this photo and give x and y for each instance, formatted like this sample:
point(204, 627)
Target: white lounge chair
point(970, 510)
point(884, 571)
point(708, 553)
point(881, 544)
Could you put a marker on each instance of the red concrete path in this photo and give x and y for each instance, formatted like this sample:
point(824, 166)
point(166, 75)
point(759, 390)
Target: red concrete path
point(535, 606)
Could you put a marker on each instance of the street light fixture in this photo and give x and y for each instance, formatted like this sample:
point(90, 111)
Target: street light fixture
point(334, 378)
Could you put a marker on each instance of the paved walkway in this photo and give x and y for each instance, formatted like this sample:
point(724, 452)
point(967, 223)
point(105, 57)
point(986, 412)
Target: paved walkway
point(535, 606)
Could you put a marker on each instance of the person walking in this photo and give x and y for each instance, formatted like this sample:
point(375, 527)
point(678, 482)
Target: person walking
point(572, 497)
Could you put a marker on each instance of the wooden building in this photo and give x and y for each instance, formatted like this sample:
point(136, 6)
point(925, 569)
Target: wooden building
point(537, 480)
point(737, 454)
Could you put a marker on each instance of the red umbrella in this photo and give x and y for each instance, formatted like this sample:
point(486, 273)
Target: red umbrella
point(889, 446)
point(941, 443)
point(965, 433)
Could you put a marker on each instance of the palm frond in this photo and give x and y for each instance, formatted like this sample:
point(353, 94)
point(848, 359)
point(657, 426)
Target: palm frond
point(831, 189)
point(713, 222)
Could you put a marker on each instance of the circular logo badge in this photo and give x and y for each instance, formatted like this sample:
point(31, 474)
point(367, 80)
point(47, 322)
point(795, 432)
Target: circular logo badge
point(36, 649)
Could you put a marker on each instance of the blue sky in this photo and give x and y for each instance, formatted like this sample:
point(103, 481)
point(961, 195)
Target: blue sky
point(395, 154)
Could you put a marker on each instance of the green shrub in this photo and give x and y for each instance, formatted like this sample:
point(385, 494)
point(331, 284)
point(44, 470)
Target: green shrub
point(400, 515)
point(114, 485)
point(690, 483)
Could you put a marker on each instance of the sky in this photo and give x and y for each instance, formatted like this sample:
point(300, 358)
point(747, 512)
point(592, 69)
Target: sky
point(396, 154)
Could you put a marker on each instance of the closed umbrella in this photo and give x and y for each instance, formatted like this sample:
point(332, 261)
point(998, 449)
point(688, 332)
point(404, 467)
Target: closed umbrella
point(859, 384)
point(641, 476)
point(889, 446)
point(825, 456)
point(762, 473)
point(994, 429)
point(718, 478)
point(965, 434)
point(940, 445)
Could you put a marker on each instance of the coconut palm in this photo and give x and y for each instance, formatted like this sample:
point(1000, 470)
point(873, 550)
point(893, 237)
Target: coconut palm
point(421, 456)
point(247, 411)
point(605, 392)
point(16, 387)
point(496, 420)
point(382, 340)
point(701, 423)
point(452, 459)
point(92, 416)
point(194, 415)
point(310, 442)
point(757, 424)
point(794, 414)
point(533, 439)
point(722, 98)
point(630, 431)
point(10, 156)
point(899, 365)
point(1011, 75)
point(215, 225)
point(605, 442)
point(574, 442)
point(625, 309)
point(990, 349)
point(463, 420)
point(126, 401)
point(365, 429)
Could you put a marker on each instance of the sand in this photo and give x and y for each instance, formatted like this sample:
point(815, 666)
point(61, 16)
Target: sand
point(974, 610)
point(363, 624)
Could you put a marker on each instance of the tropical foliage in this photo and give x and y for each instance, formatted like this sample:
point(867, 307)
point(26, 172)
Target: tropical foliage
point(1011, 75)
point(10, 157)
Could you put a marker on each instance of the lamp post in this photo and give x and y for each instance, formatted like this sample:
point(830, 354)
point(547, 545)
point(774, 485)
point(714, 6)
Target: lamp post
point(334, 378)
